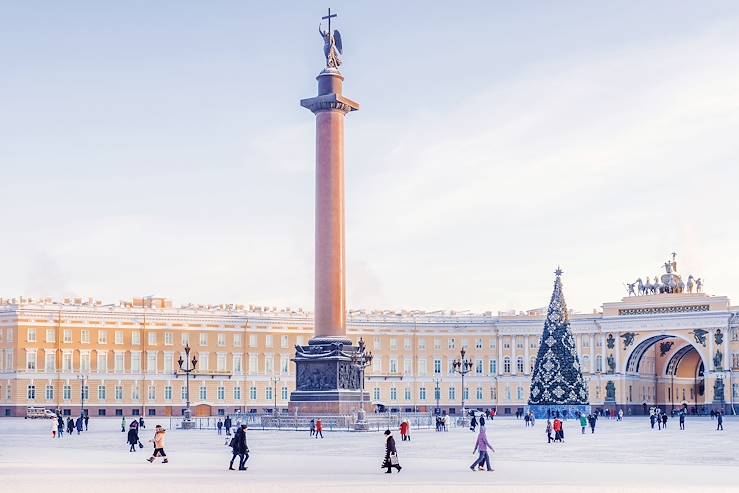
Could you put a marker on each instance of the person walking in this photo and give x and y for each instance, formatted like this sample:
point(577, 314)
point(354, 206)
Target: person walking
point(219, 425)
point(70, 426)
point(652, 419)
point(133, 436)
point(123, 424)
point(592, 420)
point(481, 447)
point(403, 430)
point(682, 420)
point(319, 428)
point(59, 425)
point(664, 420)
point(158, 441)
point(78, 424)
point(549, 431)
point(719, 421)
point(54, 427)
point(239, 448)
point(87, 420)
point(227, 425)
point(583, 423)
point(312, 427)
point(391, 454)
point(141, 423)
point(473, 423)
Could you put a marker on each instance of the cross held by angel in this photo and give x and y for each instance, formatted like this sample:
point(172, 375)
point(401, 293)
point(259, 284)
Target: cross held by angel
point(332, 47)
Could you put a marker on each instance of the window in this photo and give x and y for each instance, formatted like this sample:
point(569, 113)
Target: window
point(30, 360)
point(204, 363)
point(478, 393)
point(203, 339)
point(376, 393)
point(479, 367)
point(102, 337)
point(135, 338)
point(378, 343)
point(407, 366)
point(393, 365)
point(493, 367)
point(421, 344)
point(119, 361)
point(507, 343)
point(451, 343)
point(253, 363)
point(437, 366)
point(183, 393)
point(532, 363)
point(437, 393)
point(119, 392)
point(168, 362)
point(152, 393)
point(407, 343)
point(31, 393)
point(50, 335)
point(31, 335)
point(203, 392)
point(268, 393)
point(586, 363)
point(377, 364)
point(253, 393)
point(185, 338)
point(465, 344)
point(466, 393)
point(269, 363)
point(168, 392)
point(519, 365)
point(86, 392)
point(103, 361)
point(393, 394)
point(437, 343)
point(135, 362)
point(237, 393)
point(393, 344)
point(269, 341)
point(452, 393)
point(68, 336)
point(67, 392)
point(221, 362)
point(101, 392)
point(237, 340)
point(284, 393)
point(49, 393)
point(221, 340)
point(85, 361)
point(252, 340)
point(519, 393)
point(493, 343)
point(118, 337)
point(284, 342)
point(422, 393)
point(237, 363)
point(599, 363)
point(299, 341)
point(221, 393)
point(519, 343)
point(168, 338)
point(407, 393)
point(152, 336)
point(506, 365)
point(586, 342)
point(422, 366)
point(478, 343)
point(285, 364)
point(50, 361)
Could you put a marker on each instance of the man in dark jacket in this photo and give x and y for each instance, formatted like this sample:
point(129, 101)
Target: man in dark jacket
point(238, 445)
point(70, 426)
point(227, 425)
point(682, 420)
point(719, 421)
point(133, 437)
point(87, 419)
point(391, 454)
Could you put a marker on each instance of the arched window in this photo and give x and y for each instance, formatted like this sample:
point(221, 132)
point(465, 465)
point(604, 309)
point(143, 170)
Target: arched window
point(519, 364)
point(532, 363)
point(586, 364)
point(506, 364)
point(599, 363)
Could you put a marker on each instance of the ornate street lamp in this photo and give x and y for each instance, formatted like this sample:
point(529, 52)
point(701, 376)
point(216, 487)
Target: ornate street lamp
point(83, 380)
point(463, 367)
point(361, 359)
point(437, 395)
point(190, 367)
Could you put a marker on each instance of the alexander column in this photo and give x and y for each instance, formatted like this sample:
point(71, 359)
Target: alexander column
point(326, 380)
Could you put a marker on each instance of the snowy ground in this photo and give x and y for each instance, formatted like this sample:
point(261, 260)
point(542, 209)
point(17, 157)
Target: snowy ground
point(625, 456)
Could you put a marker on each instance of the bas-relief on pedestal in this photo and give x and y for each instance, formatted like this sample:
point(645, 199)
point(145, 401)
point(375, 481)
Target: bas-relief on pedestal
point(326, 380)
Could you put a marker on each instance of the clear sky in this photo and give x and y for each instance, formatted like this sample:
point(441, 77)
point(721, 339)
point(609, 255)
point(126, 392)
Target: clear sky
point(159, 148)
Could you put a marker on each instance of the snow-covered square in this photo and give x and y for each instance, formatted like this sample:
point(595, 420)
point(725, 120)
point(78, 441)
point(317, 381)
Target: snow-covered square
point(619, 456)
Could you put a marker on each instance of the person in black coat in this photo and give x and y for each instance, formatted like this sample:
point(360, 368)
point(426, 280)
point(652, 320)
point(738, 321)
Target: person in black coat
point(238, 445)
point(391, 454)
point(70, 426)
point(133, 437)
point(227, 425)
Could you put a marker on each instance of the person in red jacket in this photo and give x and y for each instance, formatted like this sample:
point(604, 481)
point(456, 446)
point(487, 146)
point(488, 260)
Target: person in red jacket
point(319, 427)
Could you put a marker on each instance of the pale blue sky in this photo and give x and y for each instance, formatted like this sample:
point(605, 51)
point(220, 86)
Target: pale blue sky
point(159, 148)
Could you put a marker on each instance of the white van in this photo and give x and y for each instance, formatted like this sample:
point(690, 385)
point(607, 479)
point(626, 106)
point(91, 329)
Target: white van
point(39, 412)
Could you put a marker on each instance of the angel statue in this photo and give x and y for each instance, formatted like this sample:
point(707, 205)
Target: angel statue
point(331, 47)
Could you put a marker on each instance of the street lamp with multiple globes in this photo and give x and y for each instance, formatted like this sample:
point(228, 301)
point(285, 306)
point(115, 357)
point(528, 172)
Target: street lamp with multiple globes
point(187, 422)
point(83, 383)
point(463, 367)
point(361, 359)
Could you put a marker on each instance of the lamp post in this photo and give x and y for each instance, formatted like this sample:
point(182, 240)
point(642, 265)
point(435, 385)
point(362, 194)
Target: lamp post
point(275, 380)
point(83, 380)
point(187, 422)
point(463, 367)
point(437, 395)
point(361, 359)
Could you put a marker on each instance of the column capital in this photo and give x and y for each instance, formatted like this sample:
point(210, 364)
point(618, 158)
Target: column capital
point(329, 102)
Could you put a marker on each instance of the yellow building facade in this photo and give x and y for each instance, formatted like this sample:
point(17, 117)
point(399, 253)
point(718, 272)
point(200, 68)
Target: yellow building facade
point(670, 350)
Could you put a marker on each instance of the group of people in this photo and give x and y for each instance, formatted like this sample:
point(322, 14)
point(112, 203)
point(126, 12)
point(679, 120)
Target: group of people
point(590, 419)
point(529, 419)
point(59, 425)
point(556, 426)
point(405, 430)
point(316, 427)
point(442, 423)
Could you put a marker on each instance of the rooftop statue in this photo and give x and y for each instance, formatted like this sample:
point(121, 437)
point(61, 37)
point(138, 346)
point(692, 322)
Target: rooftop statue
point(332, 47)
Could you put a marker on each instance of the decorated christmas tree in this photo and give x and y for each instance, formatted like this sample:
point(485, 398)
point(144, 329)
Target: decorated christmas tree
point(557, 384)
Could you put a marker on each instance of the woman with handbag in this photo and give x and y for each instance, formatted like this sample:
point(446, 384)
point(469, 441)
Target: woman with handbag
point(391, 454)
point(133, 437)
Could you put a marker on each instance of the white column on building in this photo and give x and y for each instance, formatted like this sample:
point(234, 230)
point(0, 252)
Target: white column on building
point(499, 363)
point(526, 355)
point(592, 353)
point(513, 354)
